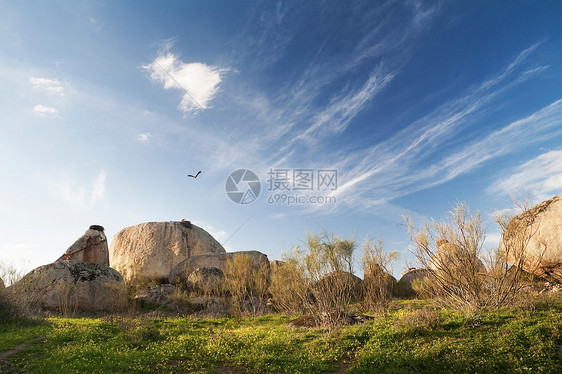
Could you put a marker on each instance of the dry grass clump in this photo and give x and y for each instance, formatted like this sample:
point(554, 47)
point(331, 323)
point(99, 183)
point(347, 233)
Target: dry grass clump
point(426, 318)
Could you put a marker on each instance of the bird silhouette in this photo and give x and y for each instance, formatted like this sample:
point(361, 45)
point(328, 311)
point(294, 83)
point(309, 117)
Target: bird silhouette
point(194, 176)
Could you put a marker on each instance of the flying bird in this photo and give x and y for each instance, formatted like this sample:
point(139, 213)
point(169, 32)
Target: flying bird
point(194, 176)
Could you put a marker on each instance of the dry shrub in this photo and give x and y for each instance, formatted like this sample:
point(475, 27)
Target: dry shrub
point(452, 250)
point(323, 277)
point(247, 283)
point(378, 284)
point(10, 273)
point(287, 287)
point(67, 300)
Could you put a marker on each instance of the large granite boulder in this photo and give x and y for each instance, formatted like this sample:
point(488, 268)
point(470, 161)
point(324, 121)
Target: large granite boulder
point(181, 272)
point(90, 247)
point(69, 286)
point(543, 253)
point(151, 250)
point(405, 286)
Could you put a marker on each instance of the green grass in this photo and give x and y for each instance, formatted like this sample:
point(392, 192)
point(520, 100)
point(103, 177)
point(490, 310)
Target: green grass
point(412, 339)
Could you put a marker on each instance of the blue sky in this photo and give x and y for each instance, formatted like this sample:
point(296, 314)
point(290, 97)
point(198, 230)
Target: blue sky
point(106, 107)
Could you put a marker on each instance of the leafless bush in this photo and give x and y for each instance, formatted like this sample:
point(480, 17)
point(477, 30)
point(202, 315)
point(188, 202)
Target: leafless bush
point(288, 286)
point(247, 283)
point(10, 273)
point(377, 281)
point(452, 250)
point(324, 280)
point(67, 300)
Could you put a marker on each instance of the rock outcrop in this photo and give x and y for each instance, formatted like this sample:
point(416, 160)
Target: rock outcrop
point(405, 288)
point(181, 272)
point(543, 253)
point(151, 250)
point(68, 286)
point(206, 281)
point(157, 296)
point(90, 247)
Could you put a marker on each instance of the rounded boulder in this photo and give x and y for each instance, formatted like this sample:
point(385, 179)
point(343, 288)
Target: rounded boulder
point(68, 286)
point(540, 228)
point(151, 250)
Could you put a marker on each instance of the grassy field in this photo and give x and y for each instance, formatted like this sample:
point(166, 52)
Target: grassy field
point(413, 338)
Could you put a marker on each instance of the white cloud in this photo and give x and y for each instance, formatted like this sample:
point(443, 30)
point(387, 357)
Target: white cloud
point(51, 86)
point(199, 82)
point(45, 110)
point(144, 138)
point(541, 177)
point(80, 196)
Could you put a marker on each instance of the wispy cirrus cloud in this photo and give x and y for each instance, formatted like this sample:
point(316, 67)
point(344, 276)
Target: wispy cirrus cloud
point(80, 196)
point(198, 82)
point(399, 165)
point(541, 177)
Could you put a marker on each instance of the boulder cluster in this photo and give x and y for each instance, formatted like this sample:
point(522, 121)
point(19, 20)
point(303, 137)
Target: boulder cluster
point(177, 256)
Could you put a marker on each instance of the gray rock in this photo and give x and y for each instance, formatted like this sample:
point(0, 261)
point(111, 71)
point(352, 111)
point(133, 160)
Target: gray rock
point(181, 272)
point(156, 296)
point(69, 286)
point(151, 250)
point(404, 287)
point(90, 247)
point(543, 253)
point(206, 281)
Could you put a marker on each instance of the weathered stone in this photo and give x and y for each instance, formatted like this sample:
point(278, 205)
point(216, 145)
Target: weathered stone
point(404, 287)
point(206, 281)
point(90, 247)
point(543, 253)
point(156, 295)
point(181, 272)
point(151, 250)
point(68, 286)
